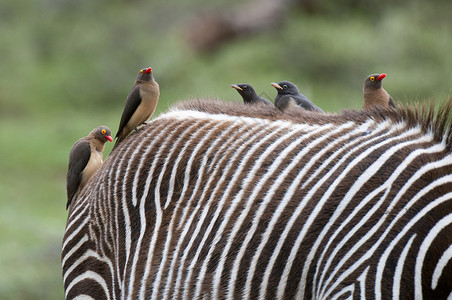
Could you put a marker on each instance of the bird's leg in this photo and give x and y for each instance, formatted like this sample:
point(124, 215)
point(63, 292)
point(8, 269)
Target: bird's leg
point(136, 128)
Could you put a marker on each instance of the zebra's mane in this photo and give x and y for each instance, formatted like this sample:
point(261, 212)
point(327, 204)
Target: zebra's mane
point(414, 115)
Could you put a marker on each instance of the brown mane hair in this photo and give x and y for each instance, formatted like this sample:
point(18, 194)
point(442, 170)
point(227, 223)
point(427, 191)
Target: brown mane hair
point(413, 115)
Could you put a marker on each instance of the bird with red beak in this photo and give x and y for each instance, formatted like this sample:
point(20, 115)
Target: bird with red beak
point(140, 104)
point(85, 158)
point(374, 93)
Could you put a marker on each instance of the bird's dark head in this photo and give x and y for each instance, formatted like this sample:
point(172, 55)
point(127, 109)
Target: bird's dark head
point(286, 88)
point(373, 81)
point(145, 75)
point(245, 90)
point(102, 133)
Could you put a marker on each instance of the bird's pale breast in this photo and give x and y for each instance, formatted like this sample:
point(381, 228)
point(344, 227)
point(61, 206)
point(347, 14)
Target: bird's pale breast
point(94, 163)
point(149, 95)
point(373, 98)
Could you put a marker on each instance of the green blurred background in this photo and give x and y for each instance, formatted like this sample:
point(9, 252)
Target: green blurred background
point(67, 67)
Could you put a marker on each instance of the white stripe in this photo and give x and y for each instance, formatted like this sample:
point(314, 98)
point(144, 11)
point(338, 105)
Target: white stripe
point(386, 187)
point(204, 201)
point(362, 279)
point(269, 196)
point(274, 219)
point(370, 232)
point(198, 135)
point(406, 228)
point(274, 130)
point(285, 138)
point(92, 276)
point(424, 191)
point(234, 138)
point(208, 137)
point(318, 208)
point(340, 295)
point(83, 297)
point(309, 195)
point(399, 269)
point(74, 233)
point(442, 263)
point(146, 143)
point(288, 195)
point(425, 246)
point(77, 246)
point(114, 227)
point(198, 115)
point(180, 153)
point(75, 215)
point(157, 206)
point(349, 136)
point(125, 212)
point(82, 259)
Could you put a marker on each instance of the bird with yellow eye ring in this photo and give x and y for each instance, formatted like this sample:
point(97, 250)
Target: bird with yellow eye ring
point(374, 93)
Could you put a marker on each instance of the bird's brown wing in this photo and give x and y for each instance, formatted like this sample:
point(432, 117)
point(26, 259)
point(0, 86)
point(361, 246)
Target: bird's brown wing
point(391, 102)
point(305, 103)
point(265, 101)
point(132, 103)
point(78, 159)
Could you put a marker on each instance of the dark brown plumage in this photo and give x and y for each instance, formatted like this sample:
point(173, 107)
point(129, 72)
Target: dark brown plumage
point(140, 104)
point(249, 95)
point(84, 159)
point(375, 94)
point(290, 97)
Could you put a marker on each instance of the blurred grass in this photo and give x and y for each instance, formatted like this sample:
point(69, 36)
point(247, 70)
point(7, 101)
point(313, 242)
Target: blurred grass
point(67, 67)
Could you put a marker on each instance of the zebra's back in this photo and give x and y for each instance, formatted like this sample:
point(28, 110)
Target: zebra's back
point(224, 201)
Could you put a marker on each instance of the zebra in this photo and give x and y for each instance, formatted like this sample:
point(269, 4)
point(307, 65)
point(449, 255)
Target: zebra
point(218, 200)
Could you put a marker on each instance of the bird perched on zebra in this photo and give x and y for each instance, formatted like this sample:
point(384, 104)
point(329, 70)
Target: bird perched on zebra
point(374, 93)
point(249, 95)
point(289, 97)
point(85, 158)
point(140, 104)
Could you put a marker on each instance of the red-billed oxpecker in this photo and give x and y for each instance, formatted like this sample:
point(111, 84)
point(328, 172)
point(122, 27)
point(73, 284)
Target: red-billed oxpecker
point(140, 104)
point(374, 93)
point(85, 159)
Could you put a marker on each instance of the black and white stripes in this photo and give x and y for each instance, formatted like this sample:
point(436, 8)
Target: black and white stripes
point(211, 201)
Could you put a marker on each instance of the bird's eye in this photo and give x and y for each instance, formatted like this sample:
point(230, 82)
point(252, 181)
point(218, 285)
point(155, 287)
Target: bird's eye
point(244, 88)
point(103, 131)
point(372, 78)
point(284, 86)
point(141, 72)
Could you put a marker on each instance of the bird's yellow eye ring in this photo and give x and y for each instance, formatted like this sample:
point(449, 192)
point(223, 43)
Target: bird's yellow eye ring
point(103, 131)
point(141, 71)
point(372, 78)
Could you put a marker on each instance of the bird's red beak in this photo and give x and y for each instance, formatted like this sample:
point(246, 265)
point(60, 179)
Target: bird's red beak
point(381, 76)
point(275, 85)
point(148, 70)
point(109, 138)
point(236, 87)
